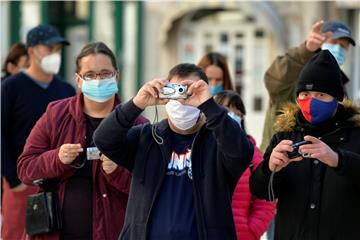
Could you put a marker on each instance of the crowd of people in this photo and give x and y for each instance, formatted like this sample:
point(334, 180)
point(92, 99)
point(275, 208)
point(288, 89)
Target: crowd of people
point(198, 173)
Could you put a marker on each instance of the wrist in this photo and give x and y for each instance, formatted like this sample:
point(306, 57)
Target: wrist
point(138, 103)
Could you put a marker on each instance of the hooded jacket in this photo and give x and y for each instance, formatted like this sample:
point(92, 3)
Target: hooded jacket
point(64, 122)
point(220, 153)
point(280, 81)
point(316, 201)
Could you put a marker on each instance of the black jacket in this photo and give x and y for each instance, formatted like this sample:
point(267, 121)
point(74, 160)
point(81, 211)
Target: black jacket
point(316, 201)
point(220, 153)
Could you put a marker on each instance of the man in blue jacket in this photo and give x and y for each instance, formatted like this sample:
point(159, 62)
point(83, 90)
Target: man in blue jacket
point(24, 98)
point(184, 168)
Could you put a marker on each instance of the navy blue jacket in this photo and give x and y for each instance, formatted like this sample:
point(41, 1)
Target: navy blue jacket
point(22, 103)
point(220, 153)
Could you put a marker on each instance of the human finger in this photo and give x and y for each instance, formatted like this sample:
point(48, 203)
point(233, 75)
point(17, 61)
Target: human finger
point(149, 89)
point(158, 86)
point(316, 27)
point(317, 37)
point(284, 146)
point(72, 145)
point(312, 139)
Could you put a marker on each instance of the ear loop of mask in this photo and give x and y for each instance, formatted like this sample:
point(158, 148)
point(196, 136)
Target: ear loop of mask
point(155, 135)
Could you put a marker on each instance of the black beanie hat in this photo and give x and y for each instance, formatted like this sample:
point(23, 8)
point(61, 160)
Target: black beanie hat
point(322, 74)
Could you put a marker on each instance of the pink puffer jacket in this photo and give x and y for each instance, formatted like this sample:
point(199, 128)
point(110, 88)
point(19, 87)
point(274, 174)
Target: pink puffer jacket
point(252, 216)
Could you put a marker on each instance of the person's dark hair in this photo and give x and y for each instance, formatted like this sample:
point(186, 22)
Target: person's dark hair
point(233, 99)
point(214, 58)
point(16, 51)
point(95, 48)
point(184, 70)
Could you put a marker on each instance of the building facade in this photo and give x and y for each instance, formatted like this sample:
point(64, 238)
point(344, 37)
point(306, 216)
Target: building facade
point(150, 37)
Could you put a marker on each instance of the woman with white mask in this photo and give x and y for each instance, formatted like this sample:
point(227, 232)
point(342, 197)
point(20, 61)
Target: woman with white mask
point(60, 147)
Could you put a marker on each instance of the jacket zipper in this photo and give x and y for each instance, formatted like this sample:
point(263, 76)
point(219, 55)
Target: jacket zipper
point(201, 225)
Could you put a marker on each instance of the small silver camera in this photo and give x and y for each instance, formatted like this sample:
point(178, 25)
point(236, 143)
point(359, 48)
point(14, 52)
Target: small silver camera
point(174, 91)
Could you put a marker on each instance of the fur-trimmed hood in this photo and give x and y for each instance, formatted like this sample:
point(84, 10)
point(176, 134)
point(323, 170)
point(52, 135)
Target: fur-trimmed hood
point(286, 121)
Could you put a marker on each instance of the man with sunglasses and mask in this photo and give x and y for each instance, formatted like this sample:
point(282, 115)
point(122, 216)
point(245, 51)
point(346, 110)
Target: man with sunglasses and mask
point(24, 98)
point(185, 168)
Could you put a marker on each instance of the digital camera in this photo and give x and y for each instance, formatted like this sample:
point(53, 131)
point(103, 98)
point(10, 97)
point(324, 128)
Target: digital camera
point(174, 91)
point(296, 152)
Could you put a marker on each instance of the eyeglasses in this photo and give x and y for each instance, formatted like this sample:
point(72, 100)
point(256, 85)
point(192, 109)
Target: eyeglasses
point(93, 75)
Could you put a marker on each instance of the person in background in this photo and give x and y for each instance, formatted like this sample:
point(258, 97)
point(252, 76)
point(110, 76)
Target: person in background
point(282, 76)
point(215, 67)
point(252, 216)
point(94, 190)
point(185, 168)
point(16, 60)
point(24, 98)
point(318, 188)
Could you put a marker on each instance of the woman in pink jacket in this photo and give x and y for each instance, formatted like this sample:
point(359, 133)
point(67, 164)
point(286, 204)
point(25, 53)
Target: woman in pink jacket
point(93, 190)
point(251, 216)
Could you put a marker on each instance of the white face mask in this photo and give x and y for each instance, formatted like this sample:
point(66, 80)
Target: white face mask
point(50, 64)
point(182, 116)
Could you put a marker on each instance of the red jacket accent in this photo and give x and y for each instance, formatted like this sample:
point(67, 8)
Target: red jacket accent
point(251, 216)
point(64, 122)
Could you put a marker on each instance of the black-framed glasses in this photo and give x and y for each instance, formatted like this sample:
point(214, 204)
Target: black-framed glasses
point(93, 75)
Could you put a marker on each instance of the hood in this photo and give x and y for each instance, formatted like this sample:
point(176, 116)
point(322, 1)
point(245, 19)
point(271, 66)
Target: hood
point(286, 121)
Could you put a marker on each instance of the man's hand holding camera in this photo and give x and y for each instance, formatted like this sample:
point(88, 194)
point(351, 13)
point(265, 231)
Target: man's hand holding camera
point(197, 93)
point(279, 157)
point(312, 147)
point(148, 94)
point(321, 151)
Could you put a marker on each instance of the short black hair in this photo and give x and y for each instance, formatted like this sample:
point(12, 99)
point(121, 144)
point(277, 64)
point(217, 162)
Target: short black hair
point(184, 70)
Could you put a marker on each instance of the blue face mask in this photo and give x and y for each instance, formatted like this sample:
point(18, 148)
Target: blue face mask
point(100, 90)
point(216, 90)
point(235, 117)
point(337, 51)
point(316, 111)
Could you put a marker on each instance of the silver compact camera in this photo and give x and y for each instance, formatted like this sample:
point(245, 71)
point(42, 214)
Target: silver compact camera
point(174, 91)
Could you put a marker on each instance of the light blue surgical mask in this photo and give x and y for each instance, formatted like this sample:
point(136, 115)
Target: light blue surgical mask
point(100, 90)
point(216, 90)
point(337, 51)
point(235, 117)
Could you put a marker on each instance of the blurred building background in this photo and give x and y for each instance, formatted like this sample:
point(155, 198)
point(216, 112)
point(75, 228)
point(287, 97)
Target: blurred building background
point(150, 37)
